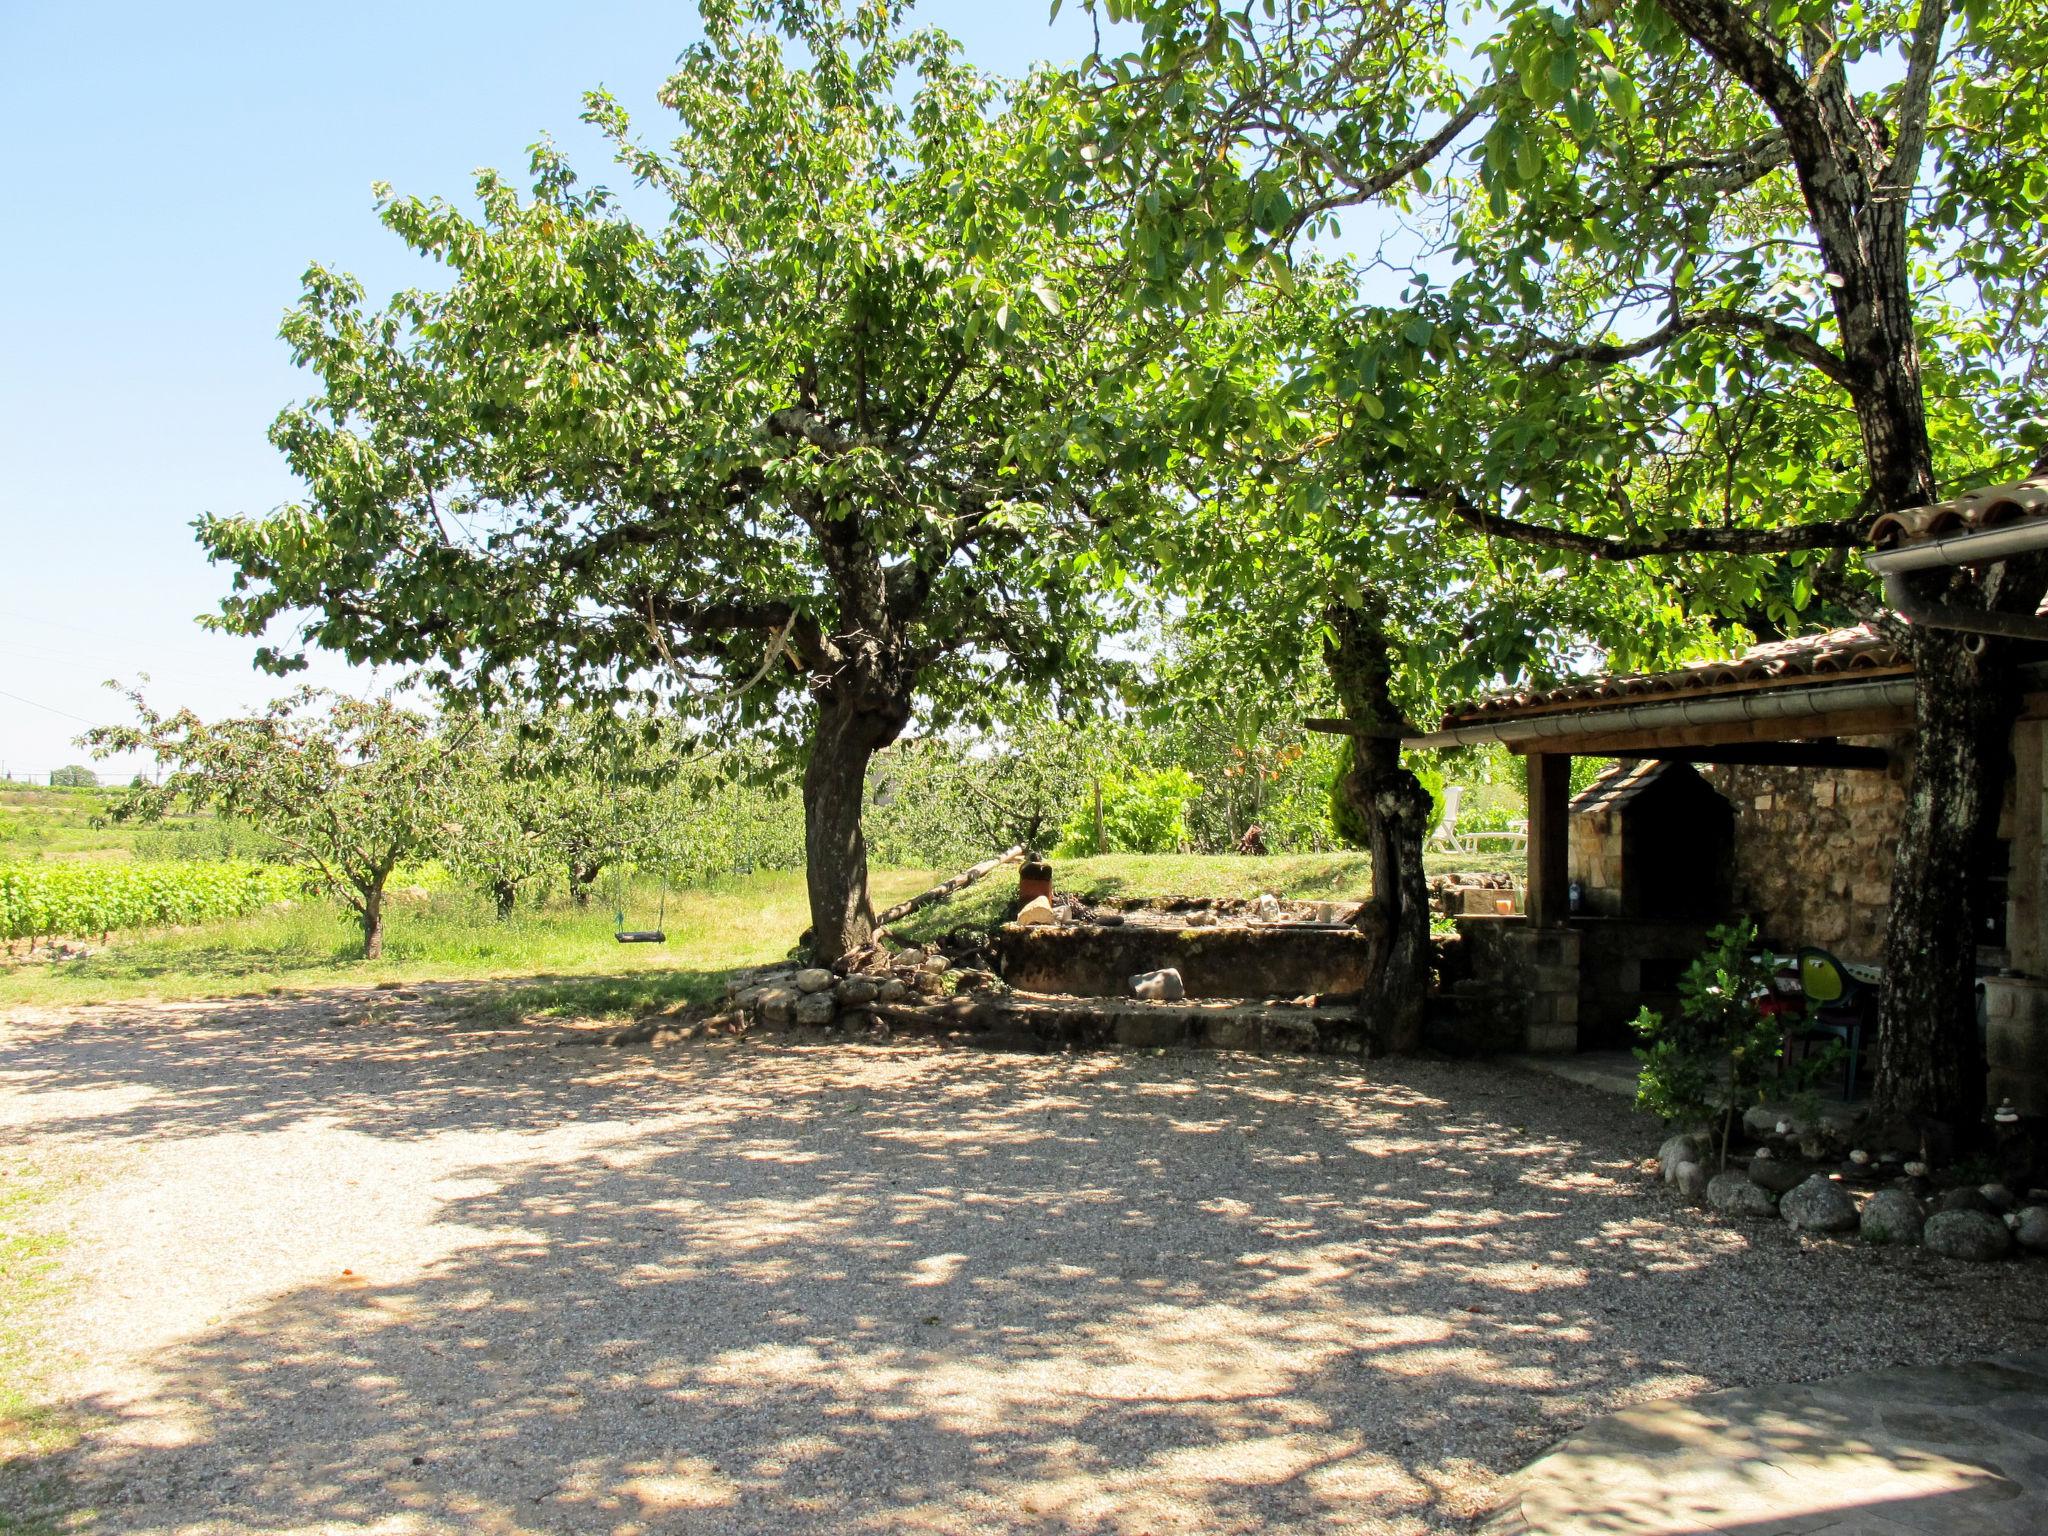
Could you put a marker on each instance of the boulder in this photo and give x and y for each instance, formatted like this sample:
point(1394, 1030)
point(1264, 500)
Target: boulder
point(1676, 1151)
point(1893, 1216)
point(1163, 986)
point(815, 979)
point(1998, 1197)
point(2033, 1229)
point(1779, 1175)
point(778, 1005)
point(1035, 913)
point(855, 992)
point(1819, 1205)
point(1692, 1182)
point(1964, 1197)
point(815, 1008)
point(1975, 1236)
point(935, 964)
point(1734, 1195)
point(892, 991)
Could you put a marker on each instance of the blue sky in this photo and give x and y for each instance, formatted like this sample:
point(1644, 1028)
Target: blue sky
point(173, 169)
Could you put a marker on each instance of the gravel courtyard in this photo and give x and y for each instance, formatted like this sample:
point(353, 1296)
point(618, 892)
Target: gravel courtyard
point(356, 1264)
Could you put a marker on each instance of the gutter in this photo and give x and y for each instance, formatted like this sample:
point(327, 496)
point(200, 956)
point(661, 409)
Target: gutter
point(1788, 703)
point(1892, 565)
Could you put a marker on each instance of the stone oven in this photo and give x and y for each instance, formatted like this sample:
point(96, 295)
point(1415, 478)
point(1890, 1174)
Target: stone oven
point(1652, 841)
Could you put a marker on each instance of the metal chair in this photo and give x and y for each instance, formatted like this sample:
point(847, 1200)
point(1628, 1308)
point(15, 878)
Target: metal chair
point(1839, 1006)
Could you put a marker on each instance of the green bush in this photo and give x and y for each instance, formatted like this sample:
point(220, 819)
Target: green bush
point(1718, 1054)
point(1143, 811)
point(43, 900)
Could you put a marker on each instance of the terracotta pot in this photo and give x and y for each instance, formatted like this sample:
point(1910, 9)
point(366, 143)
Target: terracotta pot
point(1034, 880)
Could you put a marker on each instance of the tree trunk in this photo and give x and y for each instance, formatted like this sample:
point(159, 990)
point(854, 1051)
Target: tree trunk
point(1392, 808)
point(372, 914)
point(1965, 696)
point(581, 878)
point(849, 732)
point(505, 896)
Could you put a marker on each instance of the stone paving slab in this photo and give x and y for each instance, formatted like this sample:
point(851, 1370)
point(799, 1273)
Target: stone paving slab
point(1908, 1452)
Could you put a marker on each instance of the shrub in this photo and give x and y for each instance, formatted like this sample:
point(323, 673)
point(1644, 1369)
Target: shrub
point(1143, 811)
point(44, 900)
point(1718, 1054)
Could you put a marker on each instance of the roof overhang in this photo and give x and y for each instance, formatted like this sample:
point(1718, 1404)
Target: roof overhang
point(1821, 708)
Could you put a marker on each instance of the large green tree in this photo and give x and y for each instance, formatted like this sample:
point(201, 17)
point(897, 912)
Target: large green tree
point(810, 457)
point(1694, 283)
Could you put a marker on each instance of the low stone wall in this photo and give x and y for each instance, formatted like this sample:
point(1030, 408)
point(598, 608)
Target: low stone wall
point(1813, 850)
point(1275, 960)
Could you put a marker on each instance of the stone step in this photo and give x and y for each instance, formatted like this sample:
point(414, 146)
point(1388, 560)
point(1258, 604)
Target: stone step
point(1218, 1023)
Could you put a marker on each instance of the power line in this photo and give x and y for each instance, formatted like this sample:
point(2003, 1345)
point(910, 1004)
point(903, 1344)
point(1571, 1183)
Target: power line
point(51, 708)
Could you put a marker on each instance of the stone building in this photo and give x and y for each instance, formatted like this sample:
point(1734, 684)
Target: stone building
point(1771, 786)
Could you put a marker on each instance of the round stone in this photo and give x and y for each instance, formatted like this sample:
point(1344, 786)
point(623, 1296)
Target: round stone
point(1777, 1174)
point(1964, 1198)
point(1975, 1236)
point(815, 1008)
point(1733, 1195)
point(1677, 1150)
point(1819, 1205)
point(1692, 1182)
point(856, 992)
point(2033, 1229)
point(816, 979)
point(1893, 1216)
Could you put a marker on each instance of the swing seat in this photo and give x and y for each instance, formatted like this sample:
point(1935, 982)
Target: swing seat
point(641, 936)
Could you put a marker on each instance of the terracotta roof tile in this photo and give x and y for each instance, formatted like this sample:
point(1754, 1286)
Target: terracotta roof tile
point(1835, 653)
point(1972, 512)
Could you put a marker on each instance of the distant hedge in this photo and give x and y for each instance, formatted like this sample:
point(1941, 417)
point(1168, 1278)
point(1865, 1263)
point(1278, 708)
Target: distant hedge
point(46, 899)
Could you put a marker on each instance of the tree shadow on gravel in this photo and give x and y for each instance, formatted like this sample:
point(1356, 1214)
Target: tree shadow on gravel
point(914, 1289)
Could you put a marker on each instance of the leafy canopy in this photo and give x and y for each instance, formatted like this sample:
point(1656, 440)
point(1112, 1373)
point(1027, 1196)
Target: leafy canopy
point(844, 418)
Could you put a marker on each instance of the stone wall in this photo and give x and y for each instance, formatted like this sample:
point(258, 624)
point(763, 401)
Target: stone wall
point(1277, 960)
point(1813, 851)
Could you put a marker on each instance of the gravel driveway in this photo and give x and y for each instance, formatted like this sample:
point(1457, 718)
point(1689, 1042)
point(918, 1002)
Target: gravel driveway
point(353, 1264)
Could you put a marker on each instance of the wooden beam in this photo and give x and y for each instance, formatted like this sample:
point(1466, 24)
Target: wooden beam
point(1866, 722)
point(1546, 898)
point(1829, 753)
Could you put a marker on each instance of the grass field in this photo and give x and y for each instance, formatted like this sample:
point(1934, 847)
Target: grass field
point(77, 824)
point(563, 961)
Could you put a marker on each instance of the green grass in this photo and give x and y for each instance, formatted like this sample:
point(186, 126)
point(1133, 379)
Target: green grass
point(1155, 877)
point(77, 824)
point(31, 1502)
point(563, 962)
point(559, 961)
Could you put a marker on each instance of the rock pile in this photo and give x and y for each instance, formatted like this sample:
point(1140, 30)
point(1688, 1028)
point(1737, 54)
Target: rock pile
point(1974, 1223)
point(871, 991)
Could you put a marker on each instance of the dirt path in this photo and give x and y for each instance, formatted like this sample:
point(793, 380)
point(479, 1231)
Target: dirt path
point(351, 1265)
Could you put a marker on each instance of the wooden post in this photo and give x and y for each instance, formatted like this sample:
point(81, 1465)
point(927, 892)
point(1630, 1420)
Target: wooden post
point(1550, 785)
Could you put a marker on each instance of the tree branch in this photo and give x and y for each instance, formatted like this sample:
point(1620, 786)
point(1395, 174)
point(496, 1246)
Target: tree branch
point(1801, 344)
point(1846, 534)
point(1915, 97)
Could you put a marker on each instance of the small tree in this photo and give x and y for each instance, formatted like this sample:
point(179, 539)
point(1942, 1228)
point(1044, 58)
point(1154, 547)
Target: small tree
point(349, 787)
point(559, 792)
point(73, 777)
point(1718, 1054)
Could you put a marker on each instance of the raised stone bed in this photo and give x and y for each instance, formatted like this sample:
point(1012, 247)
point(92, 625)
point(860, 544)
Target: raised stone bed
point(1229, 960)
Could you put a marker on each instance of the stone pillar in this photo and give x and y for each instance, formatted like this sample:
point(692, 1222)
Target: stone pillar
point(1534, 972)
